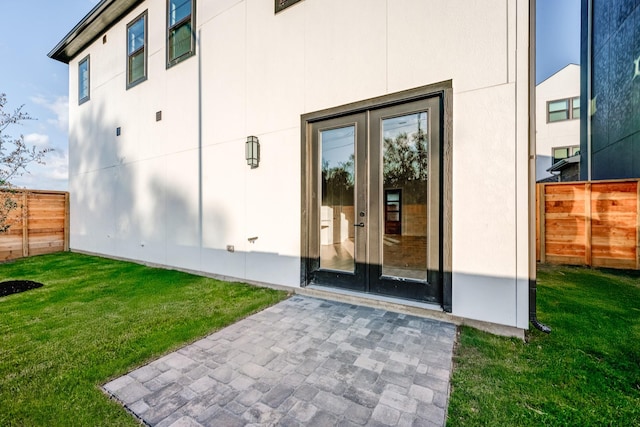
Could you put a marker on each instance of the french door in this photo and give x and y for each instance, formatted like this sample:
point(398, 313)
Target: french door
point(375, 217)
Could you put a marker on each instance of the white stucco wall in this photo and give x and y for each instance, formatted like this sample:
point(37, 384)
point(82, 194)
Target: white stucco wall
point(563, 84)
point(178, 191)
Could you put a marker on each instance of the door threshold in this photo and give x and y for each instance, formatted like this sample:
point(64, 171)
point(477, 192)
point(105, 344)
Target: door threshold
point(400, 305)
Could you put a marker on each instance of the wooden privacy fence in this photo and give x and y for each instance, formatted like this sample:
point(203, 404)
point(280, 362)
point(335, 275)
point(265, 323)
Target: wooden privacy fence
point(589, 223)
point(38, 225)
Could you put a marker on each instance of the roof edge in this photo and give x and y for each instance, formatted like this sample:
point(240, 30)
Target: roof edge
point(561, 164)
point(91, 26)
point(558, 71)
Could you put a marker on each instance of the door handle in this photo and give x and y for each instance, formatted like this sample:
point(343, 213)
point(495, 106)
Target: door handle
point(359, 225)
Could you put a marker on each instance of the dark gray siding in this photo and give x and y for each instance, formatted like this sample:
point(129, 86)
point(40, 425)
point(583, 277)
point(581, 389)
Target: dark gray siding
point(615, 84)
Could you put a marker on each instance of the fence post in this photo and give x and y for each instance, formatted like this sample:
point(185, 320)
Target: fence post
point(66, 222)
point(25, 224)
point(537, 222)
point(638, 225)
point(587, 224)
point(542, 216)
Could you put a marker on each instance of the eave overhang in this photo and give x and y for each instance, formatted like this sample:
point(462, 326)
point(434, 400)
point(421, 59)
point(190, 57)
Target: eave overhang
point(105, 14)
point(561, 164)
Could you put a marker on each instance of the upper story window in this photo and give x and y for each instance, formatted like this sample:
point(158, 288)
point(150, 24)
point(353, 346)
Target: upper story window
point(137, 50)
point(83, 80)
point(181, 43)
point(563, 109)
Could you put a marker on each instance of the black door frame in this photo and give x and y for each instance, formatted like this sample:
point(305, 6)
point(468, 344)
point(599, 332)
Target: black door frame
point(443, 92)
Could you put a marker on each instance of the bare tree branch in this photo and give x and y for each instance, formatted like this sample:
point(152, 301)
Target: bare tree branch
point(15, 156)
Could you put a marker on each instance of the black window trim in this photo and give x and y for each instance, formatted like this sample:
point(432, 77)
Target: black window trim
point(191, 18)
point(281, 5)
point(86, 59)
point(144, 15)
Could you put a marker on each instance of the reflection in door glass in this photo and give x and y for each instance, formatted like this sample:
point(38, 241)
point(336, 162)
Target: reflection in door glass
point(405, 176)
point(337, 210)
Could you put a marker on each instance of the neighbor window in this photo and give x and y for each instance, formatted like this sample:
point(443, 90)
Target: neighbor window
point(83, 80)
point(137, 51)
point(563, 109)
point(180, 35)
point(560, 153)
point(575, 108)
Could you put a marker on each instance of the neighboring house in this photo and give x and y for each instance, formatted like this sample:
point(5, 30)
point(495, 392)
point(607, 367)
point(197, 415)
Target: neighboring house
point(557, 119)
point(610, 84)
point(376, 147)
point(565, 170)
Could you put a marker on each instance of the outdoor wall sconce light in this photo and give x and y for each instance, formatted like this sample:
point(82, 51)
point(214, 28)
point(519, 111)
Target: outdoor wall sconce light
point(252, 151)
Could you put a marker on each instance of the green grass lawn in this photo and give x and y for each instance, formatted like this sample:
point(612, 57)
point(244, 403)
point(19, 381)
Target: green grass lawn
point(585, 373)
point(93, 320)
point(96, 319)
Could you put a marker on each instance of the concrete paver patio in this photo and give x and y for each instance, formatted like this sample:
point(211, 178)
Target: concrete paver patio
point(304, 361)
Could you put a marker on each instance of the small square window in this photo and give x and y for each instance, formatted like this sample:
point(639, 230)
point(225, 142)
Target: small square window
point(83, 80)
point(559, 153)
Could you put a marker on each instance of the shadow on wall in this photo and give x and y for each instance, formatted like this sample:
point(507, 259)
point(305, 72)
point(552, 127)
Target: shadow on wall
point(137, 195)
point(127, 205)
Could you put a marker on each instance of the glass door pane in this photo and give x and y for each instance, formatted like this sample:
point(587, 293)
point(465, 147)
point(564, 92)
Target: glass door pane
point(405, 154)
point(337, 208)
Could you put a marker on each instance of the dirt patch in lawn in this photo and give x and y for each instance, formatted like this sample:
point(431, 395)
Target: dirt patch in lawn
point(15, 286)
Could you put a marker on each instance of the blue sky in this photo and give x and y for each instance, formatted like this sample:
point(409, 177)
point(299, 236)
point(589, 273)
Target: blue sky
point(29, 77)
point(557, 36)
